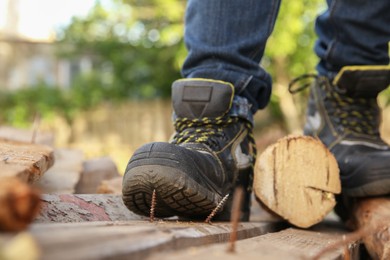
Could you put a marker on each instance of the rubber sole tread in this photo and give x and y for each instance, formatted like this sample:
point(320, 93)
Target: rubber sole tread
point(176, 194)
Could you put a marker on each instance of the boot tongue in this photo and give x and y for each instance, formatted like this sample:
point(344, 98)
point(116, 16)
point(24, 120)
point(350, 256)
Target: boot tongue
point(363, 81)
point(198, 98)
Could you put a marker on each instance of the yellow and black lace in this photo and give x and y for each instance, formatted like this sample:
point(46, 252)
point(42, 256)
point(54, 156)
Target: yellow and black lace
point(356, 115)
point(208, 131)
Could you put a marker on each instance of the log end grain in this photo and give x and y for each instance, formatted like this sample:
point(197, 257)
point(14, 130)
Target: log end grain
point(297, 178)
point(372, 215)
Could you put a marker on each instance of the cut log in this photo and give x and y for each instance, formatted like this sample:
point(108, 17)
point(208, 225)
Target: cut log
point(19, 204)
point(63, 177)
point(287, 244)
point(25, 161)
point(94, 172)
point(133, 239)
point(113, 186)
point(81, 208)
point(372, 216)
point(297, 178)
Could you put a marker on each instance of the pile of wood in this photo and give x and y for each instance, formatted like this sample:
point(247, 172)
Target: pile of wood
point(29, 169)
point(71, 221)
point(21, 165)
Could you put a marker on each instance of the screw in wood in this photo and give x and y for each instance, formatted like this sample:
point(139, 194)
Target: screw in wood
point(235, 218)
point(216, 209)
point(153, 206)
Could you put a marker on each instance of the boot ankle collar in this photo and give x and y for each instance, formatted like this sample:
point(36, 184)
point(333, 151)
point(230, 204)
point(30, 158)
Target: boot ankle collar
point(363, 81)
point(199, 98)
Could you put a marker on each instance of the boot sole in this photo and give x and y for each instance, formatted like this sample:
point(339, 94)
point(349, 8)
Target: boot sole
point(176, 193)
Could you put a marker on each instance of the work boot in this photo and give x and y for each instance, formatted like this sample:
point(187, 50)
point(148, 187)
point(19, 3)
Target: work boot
point(345, 116)
point(211, 153)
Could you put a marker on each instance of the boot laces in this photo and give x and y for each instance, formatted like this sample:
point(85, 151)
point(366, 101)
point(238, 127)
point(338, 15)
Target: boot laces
point(208, 131)
point(355, 115)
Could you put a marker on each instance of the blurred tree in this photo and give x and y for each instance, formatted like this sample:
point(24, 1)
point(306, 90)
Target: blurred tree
point(136, 46)
point(289, 53)
point(137, 49)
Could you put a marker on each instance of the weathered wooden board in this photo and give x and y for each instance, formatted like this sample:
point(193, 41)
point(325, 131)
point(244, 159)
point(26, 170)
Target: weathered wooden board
point(133, 239)
point(24, 160)
point(63, 208)
point(290, 243)
point(26, 135)
point(94, 172)
point(113, 186)
point(20, 165)
point(65, 173)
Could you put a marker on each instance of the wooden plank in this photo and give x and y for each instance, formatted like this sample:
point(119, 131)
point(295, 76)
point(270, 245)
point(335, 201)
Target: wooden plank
point(26, 135)
point(65, 173)
point(25, 161)
point(290, 243)
point(65, 208)
point(94, 172)
point(133, 239)
point(113, 186)
point(371, 217)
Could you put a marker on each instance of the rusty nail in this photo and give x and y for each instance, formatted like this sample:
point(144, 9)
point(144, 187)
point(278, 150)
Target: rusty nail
point(235, 218)
point(153, 206)
point(216, 209)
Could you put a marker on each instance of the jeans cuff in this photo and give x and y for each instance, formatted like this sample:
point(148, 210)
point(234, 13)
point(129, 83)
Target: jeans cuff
point(241, 108)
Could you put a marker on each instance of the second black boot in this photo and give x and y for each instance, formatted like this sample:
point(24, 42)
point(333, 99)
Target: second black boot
point(345, 116)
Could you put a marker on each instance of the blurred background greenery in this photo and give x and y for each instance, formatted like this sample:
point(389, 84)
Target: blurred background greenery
point(136, 48)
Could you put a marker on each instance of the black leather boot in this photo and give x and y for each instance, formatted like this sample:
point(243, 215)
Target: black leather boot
point(345, 116)
point(210, 154)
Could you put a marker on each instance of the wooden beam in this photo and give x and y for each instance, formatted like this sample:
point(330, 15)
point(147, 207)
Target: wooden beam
point(25, 161)
point(64, 175)
point(133, 239)
point(290, 243)
point(20, 164)
point(63, 208)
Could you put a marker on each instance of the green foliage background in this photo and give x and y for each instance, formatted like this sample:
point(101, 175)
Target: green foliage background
point(137, 49)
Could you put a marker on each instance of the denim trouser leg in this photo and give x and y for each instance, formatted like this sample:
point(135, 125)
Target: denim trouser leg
point(226, 41)
point(353, 32)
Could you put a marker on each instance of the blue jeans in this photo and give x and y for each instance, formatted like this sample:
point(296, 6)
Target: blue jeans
point(226, 40)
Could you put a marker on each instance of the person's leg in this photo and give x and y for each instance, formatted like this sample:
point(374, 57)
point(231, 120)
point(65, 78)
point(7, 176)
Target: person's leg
point(352, 32)
point(342, 111)
point(226, 41)
point(213, 149)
